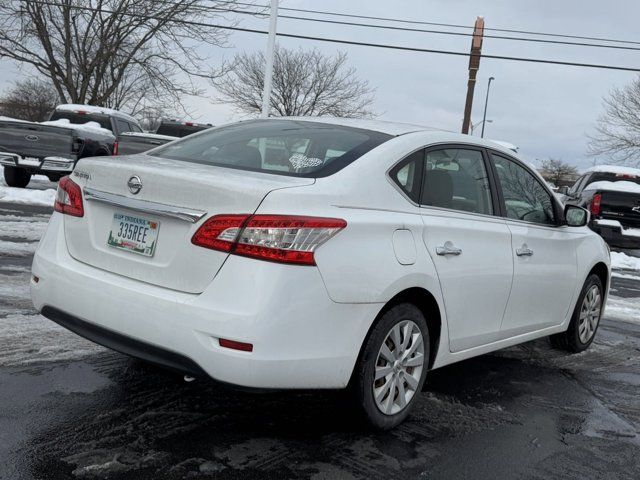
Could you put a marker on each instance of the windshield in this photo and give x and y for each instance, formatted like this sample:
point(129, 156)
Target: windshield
point(81, 118)
point(286, 147)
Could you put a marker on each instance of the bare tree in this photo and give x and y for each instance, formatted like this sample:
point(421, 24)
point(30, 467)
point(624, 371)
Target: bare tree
point(305, 82)
point(115, 52)
point(618, 129)
point(29, 99)
point(554, 170)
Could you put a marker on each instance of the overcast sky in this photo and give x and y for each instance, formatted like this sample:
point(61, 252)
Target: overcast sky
point(546, 110)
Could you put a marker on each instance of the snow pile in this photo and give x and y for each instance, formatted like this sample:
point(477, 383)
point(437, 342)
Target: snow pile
point(76, 107)
point(621, 186)
point(624, 261)
point(28, 196)
point(86, 127)
point(626, 309)
point(614, 169)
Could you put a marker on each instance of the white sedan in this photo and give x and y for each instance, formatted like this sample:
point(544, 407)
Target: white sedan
point(319, 253)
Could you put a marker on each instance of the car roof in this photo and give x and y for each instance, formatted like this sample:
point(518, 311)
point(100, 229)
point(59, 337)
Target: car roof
point(75, 107)
point(390, 128)
point(439, 135)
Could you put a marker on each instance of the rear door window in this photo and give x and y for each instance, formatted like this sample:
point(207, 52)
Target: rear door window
point(456, 178)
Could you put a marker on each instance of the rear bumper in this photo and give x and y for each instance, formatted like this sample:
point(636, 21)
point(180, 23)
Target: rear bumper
point(301, 339)
point(616, 237)
point(124, 344)
point(33, 165)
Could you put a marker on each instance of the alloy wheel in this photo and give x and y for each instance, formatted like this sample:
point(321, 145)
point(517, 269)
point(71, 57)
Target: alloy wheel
point(589, 314)
point(398, 367)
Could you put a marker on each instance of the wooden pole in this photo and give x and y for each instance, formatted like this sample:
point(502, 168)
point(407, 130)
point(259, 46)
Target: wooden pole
point(474, 66)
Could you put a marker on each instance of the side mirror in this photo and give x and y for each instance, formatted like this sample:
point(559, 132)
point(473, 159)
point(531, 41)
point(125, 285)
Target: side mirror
point(564, 190)
point(575, 216)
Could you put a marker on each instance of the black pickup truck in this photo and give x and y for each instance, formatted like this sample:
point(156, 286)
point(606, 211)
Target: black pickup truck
point(169, 130)
point(52, 148)
point(612, 195)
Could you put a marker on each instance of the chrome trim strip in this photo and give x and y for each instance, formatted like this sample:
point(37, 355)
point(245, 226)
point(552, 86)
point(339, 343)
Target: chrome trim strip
point(186, 214)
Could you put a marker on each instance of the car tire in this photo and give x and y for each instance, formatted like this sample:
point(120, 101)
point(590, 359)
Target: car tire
point(408, 376)
point(16, 177)
point(585, 319)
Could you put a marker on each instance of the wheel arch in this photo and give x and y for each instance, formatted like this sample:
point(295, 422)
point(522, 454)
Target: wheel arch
point(424, 300)
point(602, 271)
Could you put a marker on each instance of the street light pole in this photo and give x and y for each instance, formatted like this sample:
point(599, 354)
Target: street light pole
point(476, 125)
point(268, 69)
point(486, 101)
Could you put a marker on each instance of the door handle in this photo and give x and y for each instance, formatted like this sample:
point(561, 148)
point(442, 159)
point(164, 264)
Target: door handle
point(524, 251)
point(448, 249)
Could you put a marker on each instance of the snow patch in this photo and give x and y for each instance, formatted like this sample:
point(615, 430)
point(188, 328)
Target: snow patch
point(623, 261)
point(86, 127)
point(30, 231)
point(27, 196)
point(621, 186)
point(625, 309)
point(31, 338)
point(17, 249)
point(614, 169)
point(14, 287)
point(75, 107)
point(9, 119)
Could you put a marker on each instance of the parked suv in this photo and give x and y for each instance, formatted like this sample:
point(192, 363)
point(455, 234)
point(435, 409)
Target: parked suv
point(52, 148)
point(612, 194)
point(376, 253)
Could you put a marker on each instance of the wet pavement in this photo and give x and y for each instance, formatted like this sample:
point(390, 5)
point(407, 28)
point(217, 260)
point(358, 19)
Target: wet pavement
point(69, 409)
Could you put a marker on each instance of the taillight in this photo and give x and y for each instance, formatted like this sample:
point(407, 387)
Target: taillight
point(69, 198)
point(278, 238)
point(115, 148)
point(595, 204)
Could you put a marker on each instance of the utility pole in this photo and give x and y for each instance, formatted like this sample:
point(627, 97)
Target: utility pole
point(486, 102)
point(268, 69)
point(474, 66)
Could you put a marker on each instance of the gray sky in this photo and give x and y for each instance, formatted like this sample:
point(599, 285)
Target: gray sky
point(546, 110)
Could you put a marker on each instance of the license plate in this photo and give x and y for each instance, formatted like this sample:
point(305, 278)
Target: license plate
point(133, 234)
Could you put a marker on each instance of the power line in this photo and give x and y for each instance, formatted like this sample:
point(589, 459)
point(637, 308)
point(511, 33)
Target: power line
point(439, 32)
point(449, 25)
point(347, 42)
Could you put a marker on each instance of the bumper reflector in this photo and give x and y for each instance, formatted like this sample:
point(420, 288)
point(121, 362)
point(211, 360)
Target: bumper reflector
point(244, 347)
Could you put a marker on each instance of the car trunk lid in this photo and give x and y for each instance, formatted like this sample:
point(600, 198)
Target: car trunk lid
point(176, 196)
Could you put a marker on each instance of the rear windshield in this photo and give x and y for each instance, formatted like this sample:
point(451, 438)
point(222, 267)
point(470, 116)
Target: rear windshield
point(179, 130)
point(285, 147)
point(80, 118)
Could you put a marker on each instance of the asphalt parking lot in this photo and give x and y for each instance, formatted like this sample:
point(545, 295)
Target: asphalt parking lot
point(69, 409)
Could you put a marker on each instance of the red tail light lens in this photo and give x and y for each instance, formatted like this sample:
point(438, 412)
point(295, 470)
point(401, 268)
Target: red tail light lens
point(595, 204)
point(219, 232)
point(115, 148)
point(243, 347)
point(69, 198)
point(278, 238)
